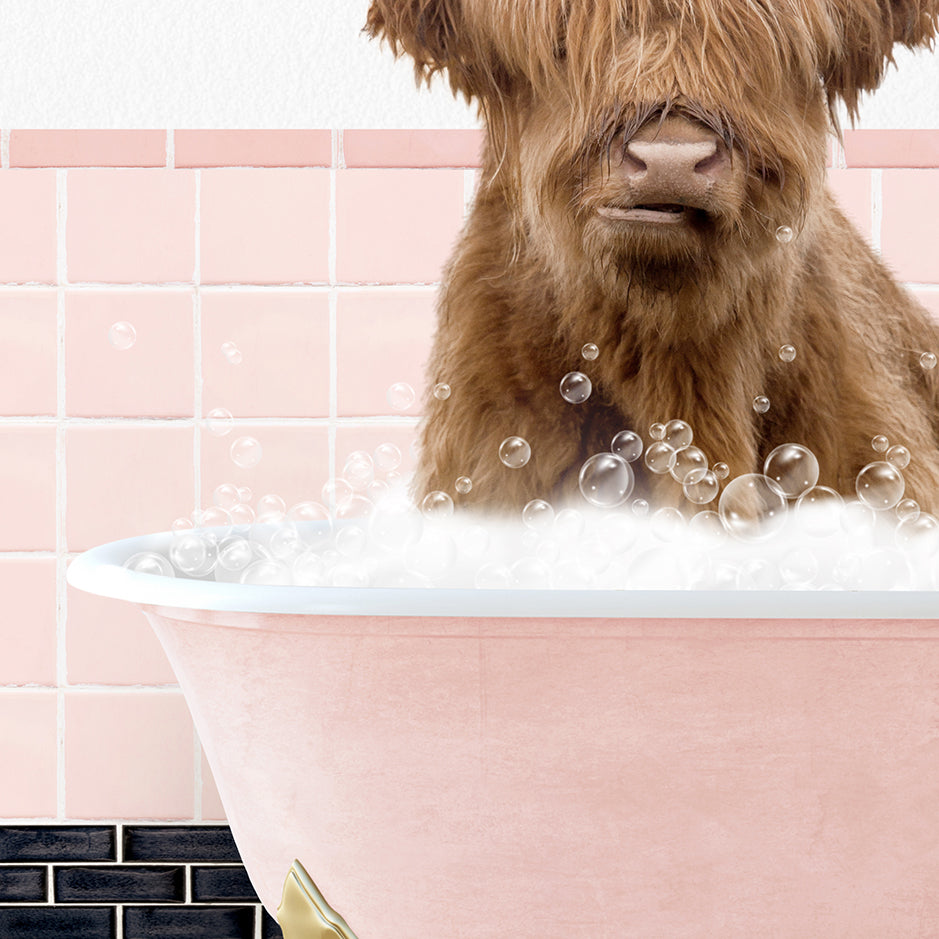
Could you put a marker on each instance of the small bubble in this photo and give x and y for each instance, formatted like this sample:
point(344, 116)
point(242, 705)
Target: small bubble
point(590, 351)
point(193, 554)
point(400, 396)
point(628, 445)
point(358, 470)
point(441, 391)
point(219, 422)
point(267, 573)
point(880, 485)
point(149, 562)
point(721, 470)
point(640, 507)
point(271, 507)
point(437, 504)
point(700, 486)
point(538, 514)
point(657, 431)
point(226, 496)
point(784, 234)
point(235, 554)
point(819, 510)
point(920, 531)
point(387, 457)
point(245, 494)
point(687, 460)
point(232, 353)
point(606, 480)
point(122, 335)
point(463, 485)
point(793, 468)
point(668, 524)
point(660, 457)
point(678, 435)
point(245, 452)
point(242, 514)
point(927, 360)
point(899, 456)
point(575, 387)
point(514, 452)
point(907, 508)
point(761, 404)
point(880, 443)
point(337, 491)
point(787, 352)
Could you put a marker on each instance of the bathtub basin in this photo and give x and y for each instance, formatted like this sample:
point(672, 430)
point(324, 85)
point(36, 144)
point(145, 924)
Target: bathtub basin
point(459, 764)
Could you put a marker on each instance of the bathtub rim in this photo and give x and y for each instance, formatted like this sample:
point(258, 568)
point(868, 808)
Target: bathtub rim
point(100, 571)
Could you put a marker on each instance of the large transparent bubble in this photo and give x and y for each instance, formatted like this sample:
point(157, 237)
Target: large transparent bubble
point(880, 485)
point(606, 480)
point(752, 508)
point(793, 468)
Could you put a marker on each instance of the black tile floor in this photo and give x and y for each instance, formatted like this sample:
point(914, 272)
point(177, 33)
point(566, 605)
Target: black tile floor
point(127, 881)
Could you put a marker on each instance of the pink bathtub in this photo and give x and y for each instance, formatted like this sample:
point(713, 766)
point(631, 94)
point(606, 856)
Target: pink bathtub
point(568, 765)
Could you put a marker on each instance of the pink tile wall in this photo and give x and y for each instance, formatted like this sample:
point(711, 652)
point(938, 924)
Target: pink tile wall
point(316, 253)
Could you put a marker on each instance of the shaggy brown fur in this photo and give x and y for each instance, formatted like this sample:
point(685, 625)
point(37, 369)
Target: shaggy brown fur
point(689, 316)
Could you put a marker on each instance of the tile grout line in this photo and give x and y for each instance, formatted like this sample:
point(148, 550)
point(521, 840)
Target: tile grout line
point(4, 149)
point(170, 149)
point(336, 150)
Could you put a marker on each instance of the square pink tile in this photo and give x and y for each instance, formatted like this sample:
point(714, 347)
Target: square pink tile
point(27, 627)
point(912, 148)
point(212, 808)
point(294, 462)
point(396, 225)
point(253, 147)
point(910, 229)
point(415, 148)
point(930, 300)
point(265, 226)
point(128, 754)
point(852, 190)
point(382, 338)
point(28, 349)
point(131, 225)
point(111, 643)
point(28, 744)
point(27, 488)
point(87, 148)
point(284, 342)
point(152, 378)
point(28, 234)
point(125, 480)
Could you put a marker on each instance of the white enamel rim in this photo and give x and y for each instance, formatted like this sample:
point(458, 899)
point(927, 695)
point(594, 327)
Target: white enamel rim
point(100, 571)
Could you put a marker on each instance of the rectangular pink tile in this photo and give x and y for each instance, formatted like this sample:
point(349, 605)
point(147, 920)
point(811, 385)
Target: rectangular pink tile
point(852, 190)
point(415, 148)
point(151, 378)
point(294, 462)
point(28, 744)
point(894, 148)
point(382, 338)
point(28, 627)
point(131, 225)
point(265, 226)
point(397, 225)
point(29, 351)
point(125, 480)
point(87, 148)
point(253, 147)
point(111, 643)
point(128, 754)
point(28, 234)
point(27, 488)
point(283, 340)
point(910, 227)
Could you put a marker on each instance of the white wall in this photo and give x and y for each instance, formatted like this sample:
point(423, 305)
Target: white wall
point(261, 63)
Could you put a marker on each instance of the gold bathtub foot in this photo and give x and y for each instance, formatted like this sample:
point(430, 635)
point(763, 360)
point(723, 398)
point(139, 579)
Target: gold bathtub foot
point(304, 913)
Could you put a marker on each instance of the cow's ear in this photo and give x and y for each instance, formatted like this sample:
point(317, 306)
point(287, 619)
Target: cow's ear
point(867, 31)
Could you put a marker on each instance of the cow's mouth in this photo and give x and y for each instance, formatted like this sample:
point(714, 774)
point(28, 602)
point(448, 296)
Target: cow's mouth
point(655, 212)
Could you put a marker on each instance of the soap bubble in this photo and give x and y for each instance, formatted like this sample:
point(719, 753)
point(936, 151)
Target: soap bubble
point(880, 443)
point(920, 532)
point(752, 508)
point(245, 493)
point(898, 456)
point(226, 496)
point(793, 468)
point(660, 457)
point(759, 574)
point(514, 452)
point(880, 485)
point(219, 422)
point(387, 457)
point(335, 491)
point(193, 554)
point(687, 460)
point(395, 525)
point(493, 576)
point(358, 470)
point(309, 570)
point(441, 391)
point(907, 508)
point(271, 507)
point(590, 351)
point(182, 524)
point(707, 527)
point(721, 470)
point(761, 404)
point(787, 352)
point(799, 567)
point(640, 508)
point(351, 541)
point(530, 574)
point(678, 435)
point(668, 524)
point(575, 387)
point(463, 485)
point(355, 506)
point(628, 445)
point(538, 515)
point(266, 572)
point(235, 554)
point(700, 486)
point(245, 452)
point(819, 510)
point(606, 480)
point(927, 361)
point(232, 353)
point(784, 234)
point(857, 518)
point(400, 396)
point(437, 504)
point(149, 562)
point(569, 525)
point(242, 514)
point(122, 335)
point(216, 517)
point(657, 431)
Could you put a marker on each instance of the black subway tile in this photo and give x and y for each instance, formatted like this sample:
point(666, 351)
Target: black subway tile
point(57, 843)
point(117, 884)
point(188, 922)
point(221, 883)
point(270, 928)
point(179, 843)
point(23, 884)
point(47, 921)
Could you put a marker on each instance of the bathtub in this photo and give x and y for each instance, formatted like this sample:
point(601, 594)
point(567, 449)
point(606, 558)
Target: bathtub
point(459, 764)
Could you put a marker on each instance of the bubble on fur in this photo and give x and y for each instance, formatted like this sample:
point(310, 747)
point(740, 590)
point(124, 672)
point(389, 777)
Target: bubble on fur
point(576, 387)
point(907, 508)
point(538, 515)
point(927, 361)
point(880, 485)
point(606, 480)
point(761, 404)
point(514, 452)
point(793, 468)
point(657, 431)
point(437, 504)
point(660, 457)
point(721, 470)
point(463, 485)
point(590, 351)
point(678, 435)
point(898, 456)
point(787, 352)
point(700, 486)
point(880, 443)
point(752, 508)
point(628, 445)
point(687, 461)
point(784, 234)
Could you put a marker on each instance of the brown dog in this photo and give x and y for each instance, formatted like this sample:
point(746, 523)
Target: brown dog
point(641, 158)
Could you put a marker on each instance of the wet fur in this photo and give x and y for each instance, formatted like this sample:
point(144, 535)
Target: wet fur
point(690, 327)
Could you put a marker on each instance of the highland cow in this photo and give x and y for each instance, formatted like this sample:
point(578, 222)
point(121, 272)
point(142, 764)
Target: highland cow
point(653, 182)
